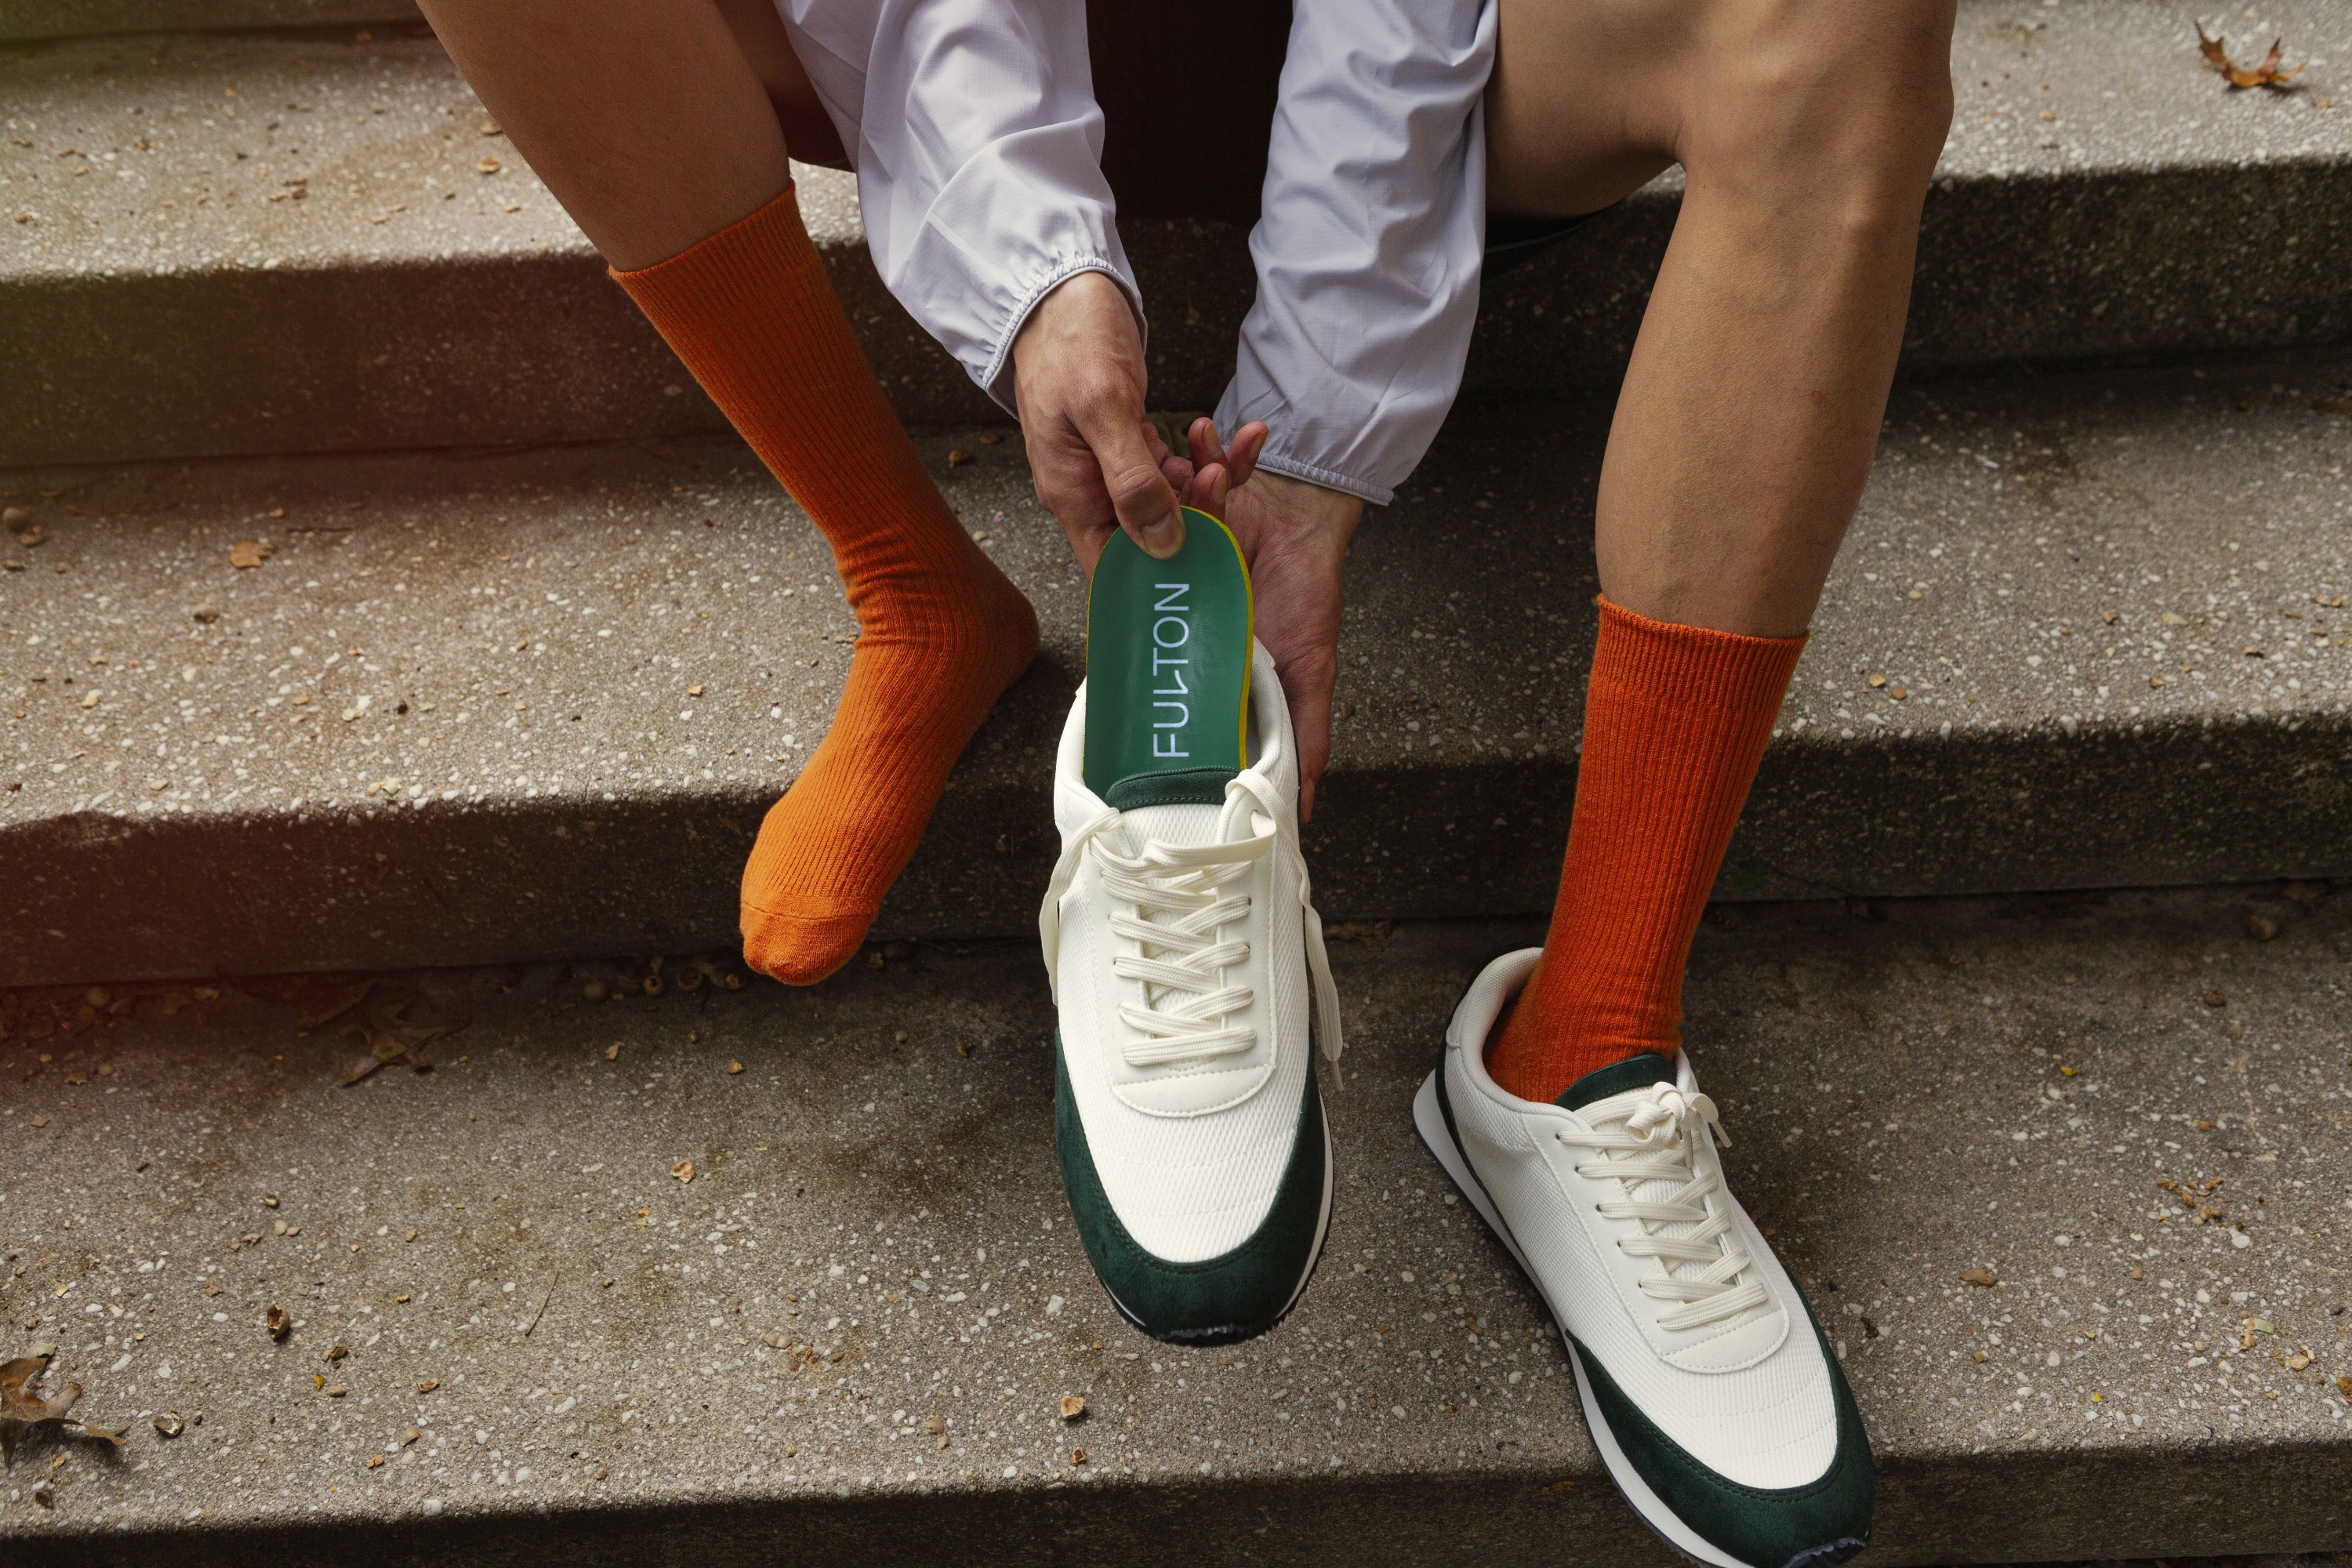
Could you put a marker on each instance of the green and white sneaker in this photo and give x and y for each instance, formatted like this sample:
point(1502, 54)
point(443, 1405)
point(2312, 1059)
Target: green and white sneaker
point(1184, 950)
point(1708, 1388)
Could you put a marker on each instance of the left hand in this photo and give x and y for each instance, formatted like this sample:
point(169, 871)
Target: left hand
point(1295, 536)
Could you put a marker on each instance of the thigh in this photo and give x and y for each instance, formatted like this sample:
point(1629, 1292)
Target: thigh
point(767, 45)
point(1582, 111)
point(1592, 98)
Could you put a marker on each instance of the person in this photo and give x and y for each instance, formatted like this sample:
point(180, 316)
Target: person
point(1563, 1106)
point(971, 123)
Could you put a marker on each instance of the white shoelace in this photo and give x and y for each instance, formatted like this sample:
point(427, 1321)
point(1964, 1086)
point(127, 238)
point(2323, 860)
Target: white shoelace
point(1658, 1142)
point(1182, 957)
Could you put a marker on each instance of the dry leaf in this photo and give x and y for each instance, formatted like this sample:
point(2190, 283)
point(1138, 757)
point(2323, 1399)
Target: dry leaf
point(1371, 935)
point(1078, 1456)
point(22, 1407)
point(247, 553)
point(390, 1034)
point(428, 1386)
point(1984, 1278)
point(2266, 74)
point(1072, 1407)
point(168, 1423)
point(488, 165)
point(683, 1170)
point(277, 1322)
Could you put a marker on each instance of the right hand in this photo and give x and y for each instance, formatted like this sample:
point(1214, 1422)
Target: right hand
point(1079, 381)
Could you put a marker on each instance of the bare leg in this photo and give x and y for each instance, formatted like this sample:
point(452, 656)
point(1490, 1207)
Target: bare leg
point(1809, 129)
point(660, 129)
point(648, 123)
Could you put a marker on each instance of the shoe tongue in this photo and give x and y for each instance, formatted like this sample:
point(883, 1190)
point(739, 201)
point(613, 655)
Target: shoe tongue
point(1177, 826)
point(1167, 670)
point(1617, 1077)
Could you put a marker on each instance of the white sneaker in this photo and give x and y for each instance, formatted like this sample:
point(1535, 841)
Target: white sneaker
point(1182, 947)
point(1710, 1393)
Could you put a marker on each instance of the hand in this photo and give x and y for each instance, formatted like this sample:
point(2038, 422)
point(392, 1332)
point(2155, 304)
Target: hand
point(1078, 379)
point(1295, 536)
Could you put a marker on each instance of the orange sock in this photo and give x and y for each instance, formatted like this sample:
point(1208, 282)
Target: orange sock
point(1674, 723)
point(941, 631)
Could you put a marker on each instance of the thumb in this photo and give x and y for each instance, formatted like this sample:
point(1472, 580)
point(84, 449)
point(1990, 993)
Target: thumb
point(1139, 493)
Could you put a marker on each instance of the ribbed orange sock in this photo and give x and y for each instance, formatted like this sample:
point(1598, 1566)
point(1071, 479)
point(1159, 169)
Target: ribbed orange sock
point(941, 631)
point(1675, 721)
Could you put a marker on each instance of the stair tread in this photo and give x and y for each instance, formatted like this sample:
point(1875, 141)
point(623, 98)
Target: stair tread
point(398, 303)
point(389, 123)
point(1966, 1085)
point(599, 587)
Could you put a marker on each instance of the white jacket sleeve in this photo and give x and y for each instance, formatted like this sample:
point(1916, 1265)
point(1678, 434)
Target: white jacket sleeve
point(978, 147)
point(1367, 245)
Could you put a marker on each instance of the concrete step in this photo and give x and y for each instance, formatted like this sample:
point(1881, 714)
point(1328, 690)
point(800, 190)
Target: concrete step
point(2087, 631)
point(564, 1353)
point(284, 244)
point(44, 20)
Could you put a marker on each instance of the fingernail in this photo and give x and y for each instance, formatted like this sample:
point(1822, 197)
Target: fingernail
point(1164, 538)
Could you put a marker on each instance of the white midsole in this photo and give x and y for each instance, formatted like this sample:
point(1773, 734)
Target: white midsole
point(1429, 1120)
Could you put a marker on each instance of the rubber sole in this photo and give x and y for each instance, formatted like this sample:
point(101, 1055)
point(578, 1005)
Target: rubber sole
point(1429, 1120)
point(1235, 1333)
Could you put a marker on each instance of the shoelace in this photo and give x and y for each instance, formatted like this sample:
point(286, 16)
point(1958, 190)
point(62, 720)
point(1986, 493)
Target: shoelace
point(1658, 1142)
point(1182, 959)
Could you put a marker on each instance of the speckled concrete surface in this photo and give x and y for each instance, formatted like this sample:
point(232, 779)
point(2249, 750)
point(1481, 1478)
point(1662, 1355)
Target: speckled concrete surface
point(74, 19)
point(160, 302)
point(533, 706)
point(559, 1347)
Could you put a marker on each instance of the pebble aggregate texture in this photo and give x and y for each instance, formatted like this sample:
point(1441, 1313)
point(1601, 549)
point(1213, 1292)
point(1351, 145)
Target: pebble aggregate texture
point(2087, 630)
point(36, 19)
point(853, 1328)
point(287, 242)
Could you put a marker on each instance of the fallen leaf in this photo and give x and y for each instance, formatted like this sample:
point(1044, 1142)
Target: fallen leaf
point(1078, 1456)
point(428, 1386)
point(277, 1322)
point(168, 1423)
point(375, 1462)
point(1984, 1278)
point(390, 1034)
point(1370, 935)
point(336, 1354)
point(2266, 74)
point(2300, 1359)
point(247, 553)
point(683, 1170)
point(22, 1407)
point(488, 165)
point(1073, 1407)
point(935, 1426)
point(410, 1435)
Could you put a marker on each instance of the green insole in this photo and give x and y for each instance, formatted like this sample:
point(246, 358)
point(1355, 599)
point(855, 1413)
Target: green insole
point(1168, 670)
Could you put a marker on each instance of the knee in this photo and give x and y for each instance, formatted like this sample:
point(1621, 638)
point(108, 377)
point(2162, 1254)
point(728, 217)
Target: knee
point(1856, 91)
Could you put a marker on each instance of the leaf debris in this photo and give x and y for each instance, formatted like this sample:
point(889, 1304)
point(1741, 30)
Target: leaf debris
point(23, 1407)
point(2267, 74)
